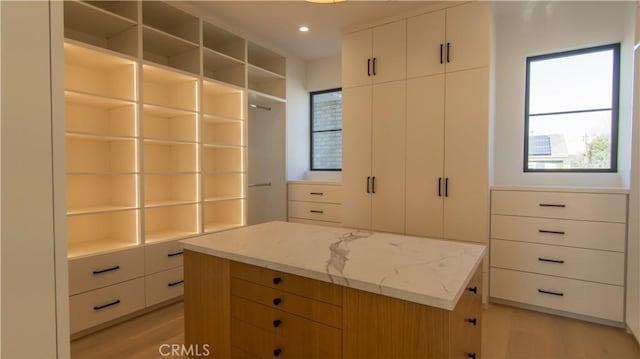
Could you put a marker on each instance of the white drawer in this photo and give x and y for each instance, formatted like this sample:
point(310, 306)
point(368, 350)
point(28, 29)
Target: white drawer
point(106, 269)
point(164, 286)
point(575, 296)
point(315, 193)
point(584, 206)
point(101, 305)
point(311, 221)
point(162, 256)
point(583, 234)
point(327, 212)
point(577, 263)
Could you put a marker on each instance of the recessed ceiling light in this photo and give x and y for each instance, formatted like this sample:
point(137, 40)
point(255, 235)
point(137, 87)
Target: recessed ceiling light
point(304, 28)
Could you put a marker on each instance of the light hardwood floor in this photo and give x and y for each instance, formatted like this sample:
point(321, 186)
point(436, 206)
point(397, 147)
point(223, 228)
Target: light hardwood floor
point(507, 333)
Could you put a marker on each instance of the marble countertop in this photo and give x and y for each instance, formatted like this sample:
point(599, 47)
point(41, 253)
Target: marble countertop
point(426, 271)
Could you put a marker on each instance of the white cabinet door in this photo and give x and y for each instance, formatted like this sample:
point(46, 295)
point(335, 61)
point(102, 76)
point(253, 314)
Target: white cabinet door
point(389, 52)
point(425, 44)
point(388, 154)
point(425, 156)
point(356, 57)
point(356, 156)
point(468, 35)
point(466, 207)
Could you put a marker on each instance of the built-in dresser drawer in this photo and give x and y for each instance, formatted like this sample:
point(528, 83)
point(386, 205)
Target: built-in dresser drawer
point(315, 193)
point(101, 305)
point(569, 295)
point(594, 235)
point(163, 286)
point(99, 271)
point(162, 256)
point(577, 263)
point(306, 287)
point(327, 212)
point(237, 353)
point(564, 205)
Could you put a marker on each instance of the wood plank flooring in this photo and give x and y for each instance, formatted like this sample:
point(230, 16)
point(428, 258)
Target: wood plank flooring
point(507, 333)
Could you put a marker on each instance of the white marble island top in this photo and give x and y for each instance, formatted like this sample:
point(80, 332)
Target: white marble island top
point(426, 271)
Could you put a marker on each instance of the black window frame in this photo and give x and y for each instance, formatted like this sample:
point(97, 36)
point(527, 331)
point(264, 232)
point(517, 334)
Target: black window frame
point(311, 131)
point(615, 103)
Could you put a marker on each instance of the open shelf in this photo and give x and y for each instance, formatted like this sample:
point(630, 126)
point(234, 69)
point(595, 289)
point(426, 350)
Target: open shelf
point(100, 232)
point(96, 193)
point(165, 157)
point(221, 100)
point(222, 159)
point(223, 68)
point(169, 50)
point(100, 155)
point(266, 59)
point(169, 89)
point(162, 190)
point(169, 124)
point(266, 82)
point(99, 115)
point(108, 24)
point(223, 132)
point(162, 16)
point(222, 41)
point(223, 186)
point(95, 72)
point(173, 222)
point(223, 215)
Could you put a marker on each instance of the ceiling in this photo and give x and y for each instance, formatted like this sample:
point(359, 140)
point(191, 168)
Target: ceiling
point(276, 22)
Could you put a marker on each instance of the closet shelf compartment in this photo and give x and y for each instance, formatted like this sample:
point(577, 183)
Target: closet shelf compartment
point(96, 136)
point(263, 99)
point(168, 19)
point(222, 41)
point(223, 68)
point(217, 119)
point(223, 186)
point(100, 116)
point(170, 157)
point(167, 203)
point(172, 222)
point(97, 209)
point(222, 100)
point(166, 190)
point(221, 199)
point(169, 50)
point(164, 124)
point(223, 214)
point(169, 89)
point(100, 155)
point(266, 82)
point(261, 57)
point(99, 232)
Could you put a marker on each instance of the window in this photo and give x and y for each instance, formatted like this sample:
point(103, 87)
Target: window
point(571, 111)
point(326, 130)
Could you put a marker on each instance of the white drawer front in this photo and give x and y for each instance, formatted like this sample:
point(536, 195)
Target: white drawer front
point(317, 211)
point(583, 234)
point(315, 193)
point(311, 221)
point(106, 269)
point(577, 263)
point(162, 256)
point(101, 305)
point(164, 286)
point(584, 206)
point(586, 298)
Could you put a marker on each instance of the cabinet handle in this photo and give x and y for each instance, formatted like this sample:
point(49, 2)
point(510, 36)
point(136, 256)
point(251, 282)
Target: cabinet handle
point(173, 284)
point(100, 271)
point(374, 68)
point(373, 184)
point(276, 352)
point(98, 307)
point(550, 232)
point(316, 193)
point(473, 321)
point(175, 254)
point(448, 51)
point(551, 205)
point(439, 186)
point(276, 323)
point(368, 184)
point(550, 260)
point(446, 187)
point(316, 211)
point(277, 301)
point(441, 47)
point(559, 294)
point(471, 355)
point(368, 67)
point(473, 289)
point(277, 280)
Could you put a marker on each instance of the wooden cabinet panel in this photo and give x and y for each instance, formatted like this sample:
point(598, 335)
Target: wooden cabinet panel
point(426, 44)
point(469, 36)
point(389, 52)
point(356, 54)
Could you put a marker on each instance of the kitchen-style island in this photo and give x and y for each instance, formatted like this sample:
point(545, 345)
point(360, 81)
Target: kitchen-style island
point(292, 290)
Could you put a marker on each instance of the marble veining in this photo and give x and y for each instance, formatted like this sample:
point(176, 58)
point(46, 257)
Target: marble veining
point(426, 271)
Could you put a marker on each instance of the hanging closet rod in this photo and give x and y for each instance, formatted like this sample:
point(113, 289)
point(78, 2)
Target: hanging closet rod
point(262, 107)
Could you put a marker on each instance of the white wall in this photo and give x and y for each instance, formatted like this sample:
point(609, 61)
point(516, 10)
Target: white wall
point(324, 73)
point(298, 151)
point(526, 28)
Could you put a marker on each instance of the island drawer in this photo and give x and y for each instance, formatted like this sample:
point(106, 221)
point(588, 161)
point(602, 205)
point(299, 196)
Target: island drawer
point(564, 205)
point(575, 263)
point(584, 234)
point(162, 256)
point(101, 305)
point(466, 320)
point(274, 298)
point(163, 286)
point(306, 287)
point(237, 353)
point(586, 298)
point(315, 193)
point(327, 212)
point(99, 271)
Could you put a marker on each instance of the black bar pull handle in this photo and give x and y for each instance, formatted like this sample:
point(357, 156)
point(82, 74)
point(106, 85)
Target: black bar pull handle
point(473, 321)
point(277, 301)
point(368, 184)
point(175, 254)
point(173, 284)
point(551, 205)
point(110, 269)
point(276, 323)
point(446, 187)
point(316, 211)
point(473, 289)
point(559, 294)
point(374, 66)
point(98, 307)
point(316, 193)
point(368, 67)
point(550, 232)
point(439, 186)
point(448, 51)
point(441, 49)
point(373, 184)
point(550, 260)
